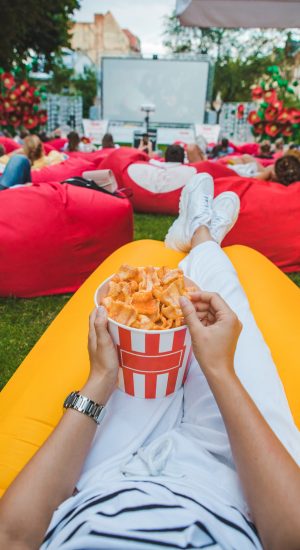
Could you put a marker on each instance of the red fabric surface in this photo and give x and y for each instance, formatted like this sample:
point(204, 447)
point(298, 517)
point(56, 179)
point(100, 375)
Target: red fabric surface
point(95, 156)
point(9, 144)
point(57, 143)
point(247, 148)
point(268, 220)
point(53, 236)
point(59, 172)
point(120, 159)
point(165, 203)
point(48, 147)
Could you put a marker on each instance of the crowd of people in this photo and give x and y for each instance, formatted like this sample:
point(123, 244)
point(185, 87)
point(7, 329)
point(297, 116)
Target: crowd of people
point(16, 166)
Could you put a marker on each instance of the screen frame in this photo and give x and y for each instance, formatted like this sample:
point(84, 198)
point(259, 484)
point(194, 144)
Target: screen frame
point(198, 59)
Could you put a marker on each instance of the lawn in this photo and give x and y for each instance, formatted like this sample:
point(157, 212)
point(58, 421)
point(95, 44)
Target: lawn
point(23, 321)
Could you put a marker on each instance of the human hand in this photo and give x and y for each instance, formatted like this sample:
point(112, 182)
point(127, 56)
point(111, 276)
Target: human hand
point(104, 363)
point(214, 330)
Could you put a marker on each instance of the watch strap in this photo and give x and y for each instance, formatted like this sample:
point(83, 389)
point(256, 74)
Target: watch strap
point(83, 404)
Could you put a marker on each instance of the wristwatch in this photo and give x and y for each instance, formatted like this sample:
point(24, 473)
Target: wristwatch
point(85, 405)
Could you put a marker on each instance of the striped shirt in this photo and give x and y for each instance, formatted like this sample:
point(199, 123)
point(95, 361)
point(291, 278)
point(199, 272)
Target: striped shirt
point(147, 515)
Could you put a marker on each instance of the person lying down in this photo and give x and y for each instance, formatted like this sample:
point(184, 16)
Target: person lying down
point(213, 465)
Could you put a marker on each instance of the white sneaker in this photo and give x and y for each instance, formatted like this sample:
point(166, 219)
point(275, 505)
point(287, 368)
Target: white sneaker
point(226, 207)
point(195, 209)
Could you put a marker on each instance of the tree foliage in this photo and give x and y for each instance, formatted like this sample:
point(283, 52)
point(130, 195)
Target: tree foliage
point(34, 28)
point(240, 55)
point(64, 80)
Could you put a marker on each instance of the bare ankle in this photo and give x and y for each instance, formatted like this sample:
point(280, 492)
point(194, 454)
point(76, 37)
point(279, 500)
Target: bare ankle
point(201, 235)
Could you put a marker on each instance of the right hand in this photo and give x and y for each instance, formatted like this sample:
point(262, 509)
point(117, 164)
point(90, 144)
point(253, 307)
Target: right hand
point(214, 330)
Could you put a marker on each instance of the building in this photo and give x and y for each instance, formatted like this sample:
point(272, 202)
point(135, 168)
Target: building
point(103, 37)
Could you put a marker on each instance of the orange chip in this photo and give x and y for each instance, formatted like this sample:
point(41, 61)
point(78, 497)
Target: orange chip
point(146, 298)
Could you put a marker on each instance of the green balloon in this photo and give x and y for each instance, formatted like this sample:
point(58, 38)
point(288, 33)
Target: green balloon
point(290, 90)
point(1, 70)
point(44, 97)
point(264, 105)
point(295, 83)
point(35, 108)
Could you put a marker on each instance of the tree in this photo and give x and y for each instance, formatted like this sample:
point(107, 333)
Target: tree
point(240, 55)
point(64, 80)
point(34, 28)
point(86, 85)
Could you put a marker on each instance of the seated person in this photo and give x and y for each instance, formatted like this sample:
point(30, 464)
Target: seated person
point(74, 143)
point(162, 177)
point(265, 150)
point(18, 164)
point(145, 145)
point(194, 153)
point(222, 149)
point(108, 142)
point(279, 146)
point(212, 466)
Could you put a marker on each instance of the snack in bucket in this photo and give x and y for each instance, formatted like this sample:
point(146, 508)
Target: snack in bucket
point(146, 324)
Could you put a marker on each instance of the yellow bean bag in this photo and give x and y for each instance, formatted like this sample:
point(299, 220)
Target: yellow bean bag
point(31, 403)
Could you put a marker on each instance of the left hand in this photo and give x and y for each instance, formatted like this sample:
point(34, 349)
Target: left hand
point(104, 363)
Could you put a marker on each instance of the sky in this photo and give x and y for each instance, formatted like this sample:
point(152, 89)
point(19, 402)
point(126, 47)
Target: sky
point(143, 18)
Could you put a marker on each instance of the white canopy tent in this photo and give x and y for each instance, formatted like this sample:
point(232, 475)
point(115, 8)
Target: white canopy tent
point(239, 13)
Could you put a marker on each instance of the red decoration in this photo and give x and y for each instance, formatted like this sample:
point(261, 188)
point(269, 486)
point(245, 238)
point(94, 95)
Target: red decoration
point(273, 117)
point(287, 130)
point(8, 80)
point(253, 117)
point(259, 128)
point(240, 111)
point(271, 113)
point(257, 93)
point(19, 104)
point(272, 129)
point(270, 96)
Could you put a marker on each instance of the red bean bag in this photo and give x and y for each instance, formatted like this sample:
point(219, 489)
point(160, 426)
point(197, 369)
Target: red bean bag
point(247, 148)
point(59, 172)
point(120, 159)
point(268, 220)
point(48, 147)
point(96, 157)
point(58, 143)
point(9, 144)
point(53, 236)
point(144, 200)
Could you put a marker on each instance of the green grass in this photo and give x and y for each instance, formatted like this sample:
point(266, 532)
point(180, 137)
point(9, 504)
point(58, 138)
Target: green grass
point(23, 321)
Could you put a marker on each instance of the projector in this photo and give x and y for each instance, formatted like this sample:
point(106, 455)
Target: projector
point(148, 107)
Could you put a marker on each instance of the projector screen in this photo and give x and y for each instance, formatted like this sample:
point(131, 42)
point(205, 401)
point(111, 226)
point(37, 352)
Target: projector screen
point(178, 89)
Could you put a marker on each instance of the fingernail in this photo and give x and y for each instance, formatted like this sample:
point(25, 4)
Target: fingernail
point(101, 311)
point(184, 300)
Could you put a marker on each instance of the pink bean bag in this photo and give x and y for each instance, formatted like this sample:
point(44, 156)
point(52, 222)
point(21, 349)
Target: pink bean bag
point(268, 220)
point(53, 236)
point(9, 144)
point(59, 172)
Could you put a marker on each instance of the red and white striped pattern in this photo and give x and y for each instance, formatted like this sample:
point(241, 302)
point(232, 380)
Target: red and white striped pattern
point(151, 364)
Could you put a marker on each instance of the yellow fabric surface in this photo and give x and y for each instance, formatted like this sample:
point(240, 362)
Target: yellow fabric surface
point(31, 402)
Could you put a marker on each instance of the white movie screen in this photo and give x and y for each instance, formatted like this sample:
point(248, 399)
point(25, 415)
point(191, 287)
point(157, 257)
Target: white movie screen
point(178, 89)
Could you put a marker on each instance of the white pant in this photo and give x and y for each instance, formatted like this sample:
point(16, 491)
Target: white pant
point(188, 425)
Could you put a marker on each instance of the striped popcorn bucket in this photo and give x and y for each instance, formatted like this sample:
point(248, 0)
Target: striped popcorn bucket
point(153, 363)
